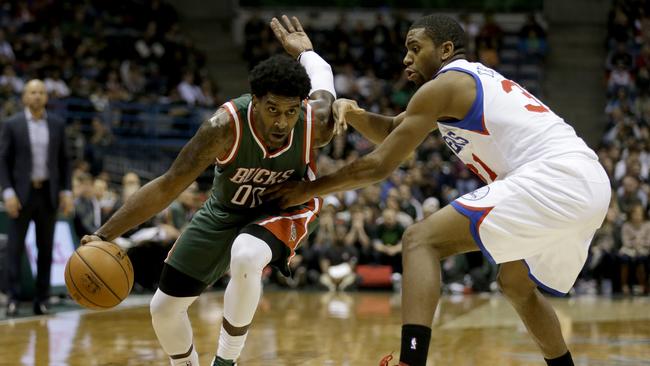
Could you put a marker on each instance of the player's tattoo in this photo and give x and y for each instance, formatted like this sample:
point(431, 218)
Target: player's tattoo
point(220, 118)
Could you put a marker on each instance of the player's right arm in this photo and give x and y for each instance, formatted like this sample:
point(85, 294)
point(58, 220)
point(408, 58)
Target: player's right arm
point(213, 139)
point(374, 127)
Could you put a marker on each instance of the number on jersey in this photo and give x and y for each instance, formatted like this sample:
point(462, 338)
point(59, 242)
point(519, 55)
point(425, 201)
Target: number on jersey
point(247, 195)
point(538, 106)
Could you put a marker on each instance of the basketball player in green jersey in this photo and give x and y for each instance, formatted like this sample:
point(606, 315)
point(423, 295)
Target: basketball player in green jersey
point(259, 139)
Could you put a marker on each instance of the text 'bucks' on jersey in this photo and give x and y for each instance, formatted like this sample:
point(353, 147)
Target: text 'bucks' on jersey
point(249, 167)
point(506, 127)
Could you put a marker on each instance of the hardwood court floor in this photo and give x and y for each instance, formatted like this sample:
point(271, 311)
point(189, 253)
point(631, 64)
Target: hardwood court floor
point(312, 328)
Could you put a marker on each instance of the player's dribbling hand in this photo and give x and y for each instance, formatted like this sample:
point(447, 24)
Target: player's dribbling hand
point(287, 194)
point(342, 109)
point(291, 35)
point(89, 238)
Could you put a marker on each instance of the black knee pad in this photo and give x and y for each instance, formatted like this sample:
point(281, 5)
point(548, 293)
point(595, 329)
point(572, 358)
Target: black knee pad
point(176, 283)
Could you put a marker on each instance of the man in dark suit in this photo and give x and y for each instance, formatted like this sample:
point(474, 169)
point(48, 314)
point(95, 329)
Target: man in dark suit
point(35, 179)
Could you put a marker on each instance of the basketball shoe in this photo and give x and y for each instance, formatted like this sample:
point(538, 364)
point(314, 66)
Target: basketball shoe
point(384, 361)
point(218, 361)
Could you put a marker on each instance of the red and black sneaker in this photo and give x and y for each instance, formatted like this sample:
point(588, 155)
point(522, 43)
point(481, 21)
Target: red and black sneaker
point(384, 361)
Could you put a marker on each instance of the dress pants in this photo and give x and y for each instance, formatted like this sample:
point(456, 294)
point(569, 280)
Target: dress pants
point(39, 209)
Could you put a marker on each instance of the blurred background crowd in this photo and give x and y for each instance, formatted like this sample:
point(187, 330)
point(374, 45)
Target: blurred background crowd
point(119, 79)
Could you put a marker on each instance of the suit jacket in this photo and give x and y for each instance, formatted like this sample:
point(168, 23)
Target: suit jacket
point(16, 157)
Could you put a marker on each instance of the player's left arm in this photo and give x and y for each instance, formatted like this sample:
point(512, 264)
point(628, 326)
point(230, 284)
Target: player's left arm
point(322, 94)
point(448, 96)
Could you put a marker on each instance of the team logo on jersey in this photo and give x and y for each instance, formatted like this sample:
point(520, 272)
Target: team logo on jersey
point(293, 232)
point(455, 142)
point(477, 194)
point(260, 176)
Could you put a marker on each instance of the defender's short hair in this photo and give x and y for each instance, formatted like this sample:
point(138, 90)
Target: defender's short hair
point(442, 28)
point(280, 75)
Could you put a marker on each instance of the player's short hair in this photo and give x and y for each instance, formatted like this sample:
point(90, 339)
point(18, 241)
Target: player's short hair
point(280, 75)
point(442, 28)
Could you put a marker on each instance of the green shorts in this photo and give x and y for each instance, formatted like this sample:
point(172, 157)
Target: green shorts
point(203, 249)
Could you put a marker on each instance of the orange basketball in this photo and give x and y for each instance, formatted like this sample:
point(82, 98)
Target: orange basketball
point(99, 275)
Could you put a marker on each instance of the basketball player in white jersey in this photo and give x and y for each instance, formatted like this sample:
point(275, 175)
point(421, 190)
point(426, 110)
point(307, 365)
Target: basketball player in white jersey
point(546, 193)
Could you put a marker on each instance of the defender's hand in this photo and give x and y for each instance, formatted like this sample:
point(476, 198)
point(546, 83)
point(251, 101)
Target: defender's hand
point(288, 194)
point(90, 238)
point(343, 109)
point(291, 35)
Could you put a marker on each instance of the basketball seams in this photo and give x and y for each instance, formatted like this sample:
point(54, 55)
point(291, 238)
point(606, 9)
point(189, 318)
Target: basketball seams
point(78, 290)
point(118, 262)
point(99, 278)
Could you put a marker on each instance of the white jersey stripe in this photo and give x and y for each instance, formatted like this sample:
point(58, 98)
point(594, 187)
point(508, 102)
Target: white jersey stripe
point(235, 117)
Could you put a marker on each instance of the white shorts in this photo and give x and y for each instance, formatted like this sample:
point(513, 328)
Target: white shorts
point(546, 213)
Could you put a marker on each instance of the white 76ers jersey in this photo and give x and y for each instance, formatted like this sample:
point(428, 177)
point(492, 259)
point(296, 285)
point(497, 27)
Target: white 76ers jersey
point(506, 127)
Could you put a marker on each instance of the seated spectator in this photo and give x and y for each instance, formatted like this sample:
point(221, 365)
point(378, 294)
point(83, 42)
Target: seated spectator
point(630, 194)
point(325, 235)
point(87, 210)
point(603, 253)
point(114, 87)
point(55, 86)
point(409, 204)
point(620, 77)
point(393, 202)
point(622, 103)
point(633, 166)
point(491, 32)
point(130, 184)
point(105, 196)
point(642, 82)
point(7, 55)
point(189, 91)
point(387, 242)
point(466, 182)
point(532, 26)
point(358, 236)
point(643, 58)
point(430, 206)
point(148, 47)
point(9, 82)
point(97, 146)
point(338, 261)
point(533, 47)
point(488, 53)
point(211, 94)
point(619, 56)
point(532, 39)
point(635, 249)
point(180, 212)
point(132, 77)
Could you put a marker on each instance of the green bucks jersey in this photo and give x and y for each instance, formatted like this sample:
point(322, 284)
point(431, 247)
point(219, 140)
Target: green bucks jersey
point(249, 167)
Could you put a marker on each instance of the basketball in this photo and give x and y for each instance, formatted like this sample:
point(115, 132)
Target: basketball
point(99, 275)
